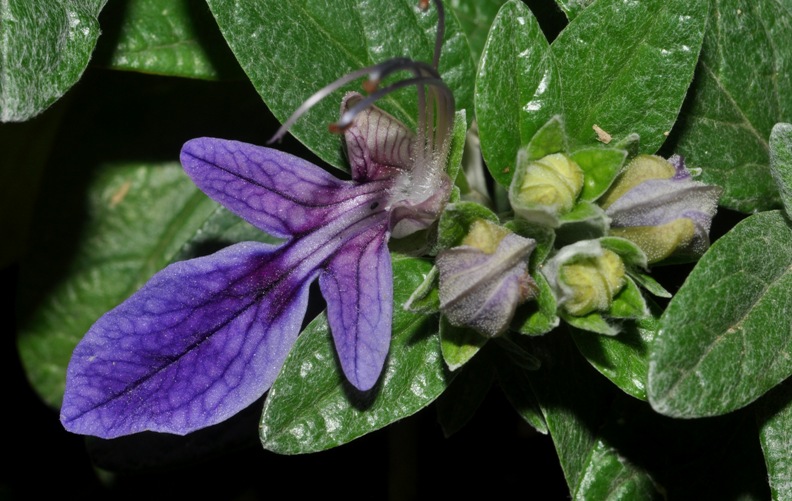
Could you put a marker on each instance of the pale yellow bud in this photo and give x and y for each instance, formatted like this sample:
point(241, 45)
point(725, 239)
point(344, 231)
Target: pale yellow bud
point(593, 282)
point(485, 236)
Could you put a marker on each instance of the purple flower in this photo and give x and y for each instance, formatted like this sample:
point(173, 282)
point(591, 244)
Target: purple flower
point(205, 338)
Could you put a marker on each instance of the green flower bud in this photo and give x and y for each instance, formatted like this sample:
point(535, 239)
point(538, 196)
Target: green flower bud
point(592, 282)
point(585, 277)
point(544, 189)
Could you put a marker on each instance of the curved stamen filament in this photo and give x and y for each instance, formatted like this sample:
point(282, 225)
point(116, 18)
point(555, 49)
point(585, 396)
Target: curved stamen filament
point(375, 74)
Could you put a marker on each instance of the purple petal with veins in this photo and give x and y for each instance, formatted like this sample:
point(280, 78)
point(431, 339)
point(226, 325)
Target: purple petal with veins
point(205, 338)
point(202, 340)
point(358, 286)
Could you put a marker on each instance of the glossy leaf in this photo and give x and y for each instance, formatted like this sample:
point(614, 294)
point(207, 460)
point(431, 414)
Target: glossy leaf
point(575, 402)
point(517, 88)
point(781, 162)
point(514, 381)
point(138, 218)
point(775, 435)
point(740, 92)
point(475, 18)
point(44, 47)
point(311, 407)
point(573, 7)
point(639, 59)
point(290, 49)
point(459, 344)
point(457, 405)
point(623, 358)
point(170, 37)
point(724, 338)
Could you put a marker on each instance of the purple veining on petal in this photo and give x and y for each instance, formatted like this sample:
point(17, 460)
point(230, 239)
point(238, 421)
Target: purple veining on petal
point(481, 290)
point(278, 193)
point(199, 342)
point(378, 145)
point(358, 286)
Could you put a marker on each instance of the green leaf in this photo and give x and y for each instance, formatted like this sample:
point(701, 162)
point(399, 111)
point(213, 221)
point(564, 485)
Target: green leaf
point(740, 92)
point(575, 402)
point(624, 358)
point(573, 7)
point(311, 406)
point(626, 66)
point(44, 47)
point(629, 302)
point(725, 336)
point(781, 162)
point(426, 298)
point(457, 150)
point(456, 219)
point(514, 381)
point(593, 322)
point(170, 37)
point(136, 219)
point(550, 138)
point(290, 49)
point(538, 316)
point(600, 166)
point(775, 435)
point(457, 405)
point(459, 344)
point(517, 88)
point(475, 18)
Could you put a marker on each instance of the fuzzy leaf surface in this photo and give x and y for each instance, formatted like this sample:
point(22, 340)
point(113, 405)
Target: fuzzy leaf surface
point(517, 88)
point(725, 338)
point(739, 93)
point(626, 66)
point(44, 47)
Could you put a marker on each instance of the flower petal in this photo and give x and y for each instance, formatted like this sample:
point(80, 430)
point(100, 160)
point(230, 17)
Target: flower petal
point(358, 287)
point(279, 193)
point(376, 142)
point(202, 340)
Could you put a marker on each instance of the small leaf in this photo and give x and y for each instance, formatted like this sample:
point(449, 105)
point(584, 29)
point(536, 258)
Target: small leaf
point(170, 37)
point(426, 298)
point(629, 302)
point(537, 317)
point(290, 49)
point(459, 344)
point(639, 59)
point(311, 406)
point(517, 88)
point(725, 336)
point(781, 162)
point(736, 101)
point(593, 322)
point(550, 138)
point(456, 220)
point(600, 166)
point(44, 47)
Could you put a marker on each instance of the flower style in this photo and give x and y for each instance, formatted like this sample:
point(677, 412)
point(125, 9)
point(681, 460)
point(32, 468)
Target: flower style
point(656, 204)
point(205, 338)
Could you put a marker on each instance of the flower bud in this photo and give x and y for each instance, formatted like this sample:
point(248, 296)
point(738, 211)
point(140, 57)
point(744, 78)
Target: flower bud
point(483, 280)
point(546, 188)
point(585, 277)
point(656, 204)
